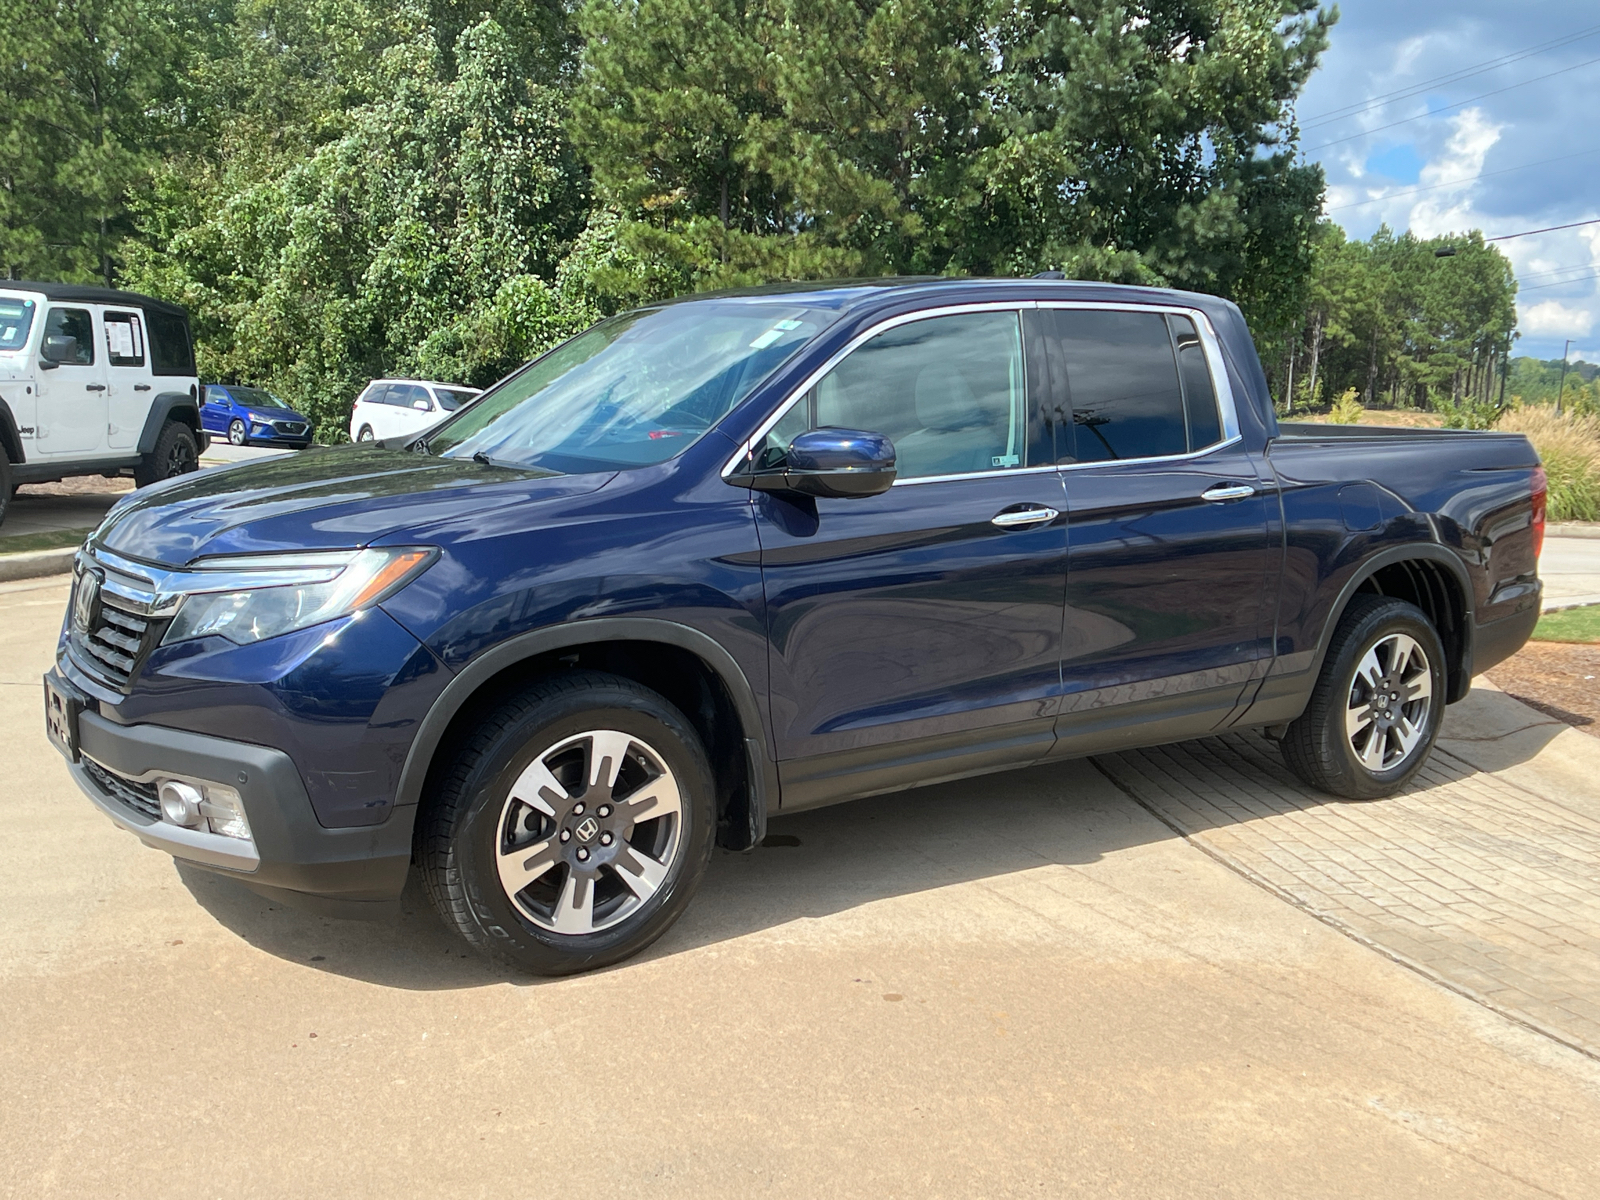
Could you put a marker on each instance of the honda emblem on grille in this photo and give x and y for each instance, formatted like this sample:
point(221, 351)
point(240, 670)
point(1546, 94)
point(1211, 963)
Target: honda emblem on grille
point(84, 604)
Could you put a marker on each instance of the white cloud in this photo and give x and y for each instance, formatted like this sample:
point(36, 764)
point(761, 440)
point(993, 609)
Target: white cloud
point(1451, 208)
point(1551, 318)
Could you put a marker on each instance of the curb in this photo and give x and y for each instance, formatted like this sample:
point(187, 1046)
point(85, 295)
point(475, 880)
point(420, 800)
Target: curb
point(1573, 529)
point(1566, 602)
point(36, 563)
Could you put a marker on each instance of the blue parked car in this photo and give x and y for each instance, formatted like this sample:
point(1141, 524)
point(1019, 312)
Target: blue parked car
point(249, 416)
point(748, 554)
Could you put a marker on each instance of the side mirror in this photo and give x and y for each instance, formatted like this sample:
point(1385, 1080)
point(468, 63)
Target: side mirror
point(57, 350)
point(833, 463)
point(422, 406)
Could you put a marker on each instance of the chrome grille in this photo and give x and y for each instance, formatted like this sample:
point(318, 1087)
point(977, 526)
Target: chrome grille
point(141, 797)
point(113, 629)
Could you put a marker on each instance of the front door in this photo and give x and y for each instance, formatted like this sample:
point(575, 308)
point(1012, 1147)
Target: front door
point(916, 635)
point(1168, 551)
point(72, 412)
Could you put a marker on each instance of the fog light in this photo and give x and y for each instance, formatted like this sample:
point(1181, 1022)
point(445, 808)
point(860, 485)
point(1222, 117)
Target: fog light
point(224, 812)
point(180, 803)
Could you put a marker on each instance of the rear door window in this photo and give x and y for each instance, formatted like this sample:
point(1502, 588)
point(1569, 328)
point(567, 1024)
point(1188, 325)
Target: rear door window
point(124, 339)
point(1137, 385)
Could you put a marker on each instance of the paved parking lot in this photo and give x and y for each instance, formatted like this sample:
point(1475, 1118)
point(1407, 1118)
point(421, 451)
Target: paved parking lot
point(1023, 985)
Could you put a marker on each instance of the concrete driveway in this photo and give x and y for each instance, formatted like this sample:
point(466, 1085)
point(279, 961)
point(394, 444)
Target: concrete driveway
point(1022, 985)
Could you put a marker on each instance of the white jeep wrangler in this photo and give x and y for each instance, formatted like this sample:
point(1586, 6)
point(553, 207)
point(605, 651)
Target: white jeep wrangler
point(94, 382)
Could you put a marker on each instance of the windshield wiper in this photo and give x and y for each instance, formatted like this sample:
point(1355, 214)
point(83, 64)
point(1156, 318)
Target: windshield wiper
point(480, 456)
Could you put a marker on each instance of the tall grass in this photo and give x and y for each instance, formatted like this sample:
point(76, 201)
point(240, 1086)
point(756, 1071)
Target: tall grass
point(1569, 447)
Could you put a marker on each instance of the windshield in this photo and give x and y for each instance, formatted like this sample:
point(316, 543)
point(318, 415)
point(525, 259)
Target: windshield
point(635, 389)
point(16, 319)
point(256, 398)
point(451, 399)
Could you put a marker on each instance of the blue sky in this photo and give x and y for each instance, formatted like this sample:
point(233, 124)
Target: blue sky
point(1524, 158)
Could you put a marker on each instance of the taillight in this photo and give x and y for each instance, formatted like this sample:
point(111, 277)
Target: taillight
point(1541, 494)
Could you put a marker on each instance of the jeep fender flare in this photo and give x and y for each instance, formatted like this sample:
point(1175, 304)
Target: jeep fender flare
point(166, 406)
point(760, 770)
point(10, 438)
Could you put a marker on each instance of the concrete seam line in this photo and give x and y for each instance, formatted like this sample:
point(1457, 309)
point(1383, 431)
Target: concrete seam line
point(37, 562)
point(1333, 922)
point(1572, 530)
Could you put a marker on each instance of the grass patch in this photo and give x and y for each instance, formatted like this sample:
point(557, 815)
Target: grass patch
point(53, 539)
point(1569, 625)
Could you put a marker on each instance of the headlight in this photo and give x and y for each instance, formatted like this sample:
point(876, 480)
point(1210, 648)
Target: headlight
point(260, 596)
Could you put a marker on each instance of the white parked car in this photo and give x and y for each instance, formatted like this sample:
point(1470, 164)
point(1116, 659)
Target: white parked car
point(401, 407)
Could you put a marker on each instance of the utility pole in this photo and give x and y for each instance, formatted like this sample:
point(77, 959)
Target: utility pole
point(1560, 387)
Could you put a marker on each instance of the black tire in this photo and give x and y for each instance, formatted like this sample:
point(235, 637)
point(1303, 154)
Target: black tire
point(238, 432)
point(176, 453)
point(1319, 746)
point(470, 825)
point(365, 435)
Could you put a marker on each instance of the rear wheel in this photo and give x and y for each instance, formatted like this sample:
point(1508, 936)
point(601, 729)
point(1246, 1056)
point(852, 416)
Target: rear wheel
point(176, 453)
point(574, 826)
point(1375, 711)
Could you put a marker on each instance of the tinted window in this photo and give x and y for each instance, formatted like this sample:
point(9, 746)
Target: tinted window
point(451, 399)
point(216, 395)
point(16, 319)
point(376, 393)
point(1122, 383)
point(72, 323)
point(256, 398)
point(170, 351)
point(124, 339)
point(1199, 396)
point(407, 394)
point(948, 391)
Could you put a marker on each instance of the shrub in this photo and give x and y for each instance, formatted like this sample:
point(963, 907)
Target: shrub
point(1569, 447)
point(1346, 409)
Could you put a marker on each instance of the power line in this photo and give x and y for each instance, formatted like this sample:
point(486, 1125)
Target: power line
point(1589, 266)
point(1361, 106)
point(1433, 187)
point(1459, 104)
point(1558, 283)
point(1506, 237)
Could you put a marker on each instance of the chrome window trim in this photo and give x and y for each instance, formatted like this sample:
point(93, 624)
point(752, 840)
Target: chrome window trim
point(1226, 403)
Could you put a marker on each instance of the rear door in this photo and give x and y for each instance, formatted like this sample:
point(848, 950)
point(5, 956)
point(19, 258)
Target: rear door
point(916, 634)
point(129, 384)
point(72, 412)
point(1168, 555)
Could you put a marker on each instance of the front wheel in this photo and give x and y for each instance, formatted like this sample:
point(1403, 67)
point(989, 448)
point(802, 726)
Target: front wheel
point(574, 827)
point(237, 433)
point(1376, 708)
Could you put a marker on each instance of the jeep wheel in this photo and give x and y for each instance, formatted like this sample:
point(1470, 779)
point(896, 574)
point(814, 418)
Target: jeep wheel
point(1376, 709)
point(7, 488)
point(176, 453)
point(573, 827)
point(238, 434)
point(365, 435)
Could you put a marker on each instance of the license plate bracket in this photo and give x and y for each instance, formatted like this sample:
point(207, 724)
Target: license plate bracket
point(61, 709)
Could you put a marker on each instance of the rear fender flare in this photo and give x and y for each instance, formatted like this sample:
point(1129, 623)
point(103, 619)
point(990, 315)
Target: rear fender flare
point(1432, 552)
point(761, 771)
point(168, 406)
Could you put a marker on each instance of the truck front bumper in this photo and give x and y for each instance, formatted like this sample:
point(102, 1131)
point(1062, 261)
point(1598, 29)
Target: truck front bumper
point(289, 855)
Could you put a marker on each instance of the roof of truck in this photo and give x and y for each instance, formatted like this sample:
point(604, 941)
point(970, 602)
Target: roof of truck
point(86, 294)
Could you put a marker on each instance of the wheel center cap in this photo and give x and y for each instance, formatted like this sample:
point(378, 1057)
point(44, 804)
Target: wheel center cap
point(586, 829)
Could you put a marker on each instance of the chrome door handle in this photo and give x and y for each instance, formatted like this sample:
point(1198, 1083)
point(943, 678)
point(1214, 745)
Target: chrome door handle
point(1228, 491)
point(1021, 518)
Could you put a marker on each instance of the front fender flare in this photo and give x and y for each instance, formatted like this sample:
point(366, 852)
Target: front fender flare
point(760, 769)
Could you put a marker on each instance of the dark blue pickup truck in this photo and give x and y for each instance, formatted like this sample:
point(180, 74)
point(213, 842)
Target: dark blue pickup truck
point(748, 554)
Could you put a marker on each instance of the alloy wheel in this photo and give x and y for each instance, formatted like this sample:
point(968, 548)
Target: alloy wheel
point(181, 458)
point(237, 433)
point(1389, 704)
point(589, 832)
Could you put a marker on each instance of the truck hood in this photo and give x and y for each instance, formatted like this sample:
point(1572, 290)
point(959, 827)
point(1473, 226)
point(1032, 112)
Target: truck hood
point(337, 498)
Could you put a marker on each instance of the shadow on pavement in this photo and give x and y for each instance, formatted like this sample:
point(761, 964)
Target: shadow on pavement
point(847, 856)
